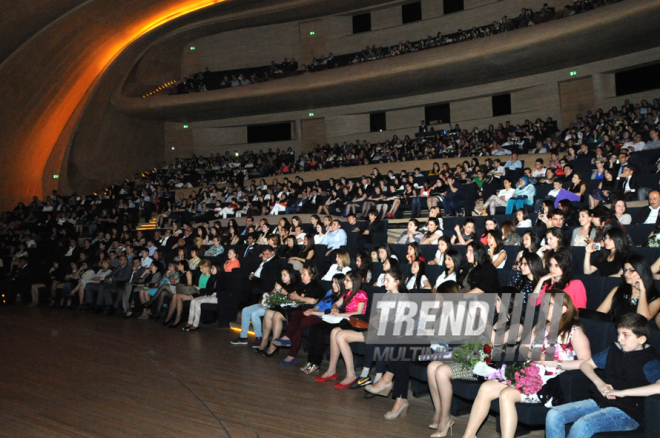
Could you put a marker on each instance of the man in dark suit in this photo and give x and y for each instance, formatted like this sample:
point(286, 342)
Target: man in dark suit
point(423, 129)
point(627, 183)
point(314, 201)
point(250, 252)
point(118, 277)
point(124, 291)
point(268, 272)
point(72, 253)
point(374, 226)
point(454, 197)
point(650, 214)
point(19, 282)
point(249, 221)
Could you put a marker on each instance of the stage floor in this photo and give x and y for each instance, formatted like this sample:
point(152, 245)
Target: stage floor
point(69, 374)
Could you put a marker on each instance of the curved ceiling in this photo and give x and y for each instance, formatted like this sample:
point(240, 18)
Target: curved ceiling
point(615, 30)
point(57, 52)
point(62, 60)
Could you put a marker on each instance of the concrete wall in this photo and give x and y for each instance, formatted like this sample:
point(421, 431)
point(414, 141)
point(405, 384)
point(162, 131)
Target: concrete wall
point(260, 45)
point(242, 48)
point(535, 96)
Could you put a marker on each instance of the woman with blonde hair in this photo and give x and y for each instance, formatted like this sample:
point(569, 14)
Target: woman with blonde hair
point(197, 282)
point(342, 265)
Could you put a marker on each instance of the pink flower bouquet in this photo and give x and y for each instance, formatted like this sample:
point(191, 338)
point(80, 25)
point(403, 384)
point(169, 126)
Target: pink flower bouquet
point(525, 378)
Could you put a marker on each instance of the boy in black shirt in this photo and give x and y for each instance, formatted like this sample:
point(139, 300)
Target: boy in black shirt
point(629, 370)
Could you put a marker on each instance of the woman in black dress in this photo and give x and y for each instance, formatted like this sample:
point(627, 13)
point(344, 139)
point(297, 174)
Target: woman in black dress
point(636, 293)
point(613, 254)
point(478, 274)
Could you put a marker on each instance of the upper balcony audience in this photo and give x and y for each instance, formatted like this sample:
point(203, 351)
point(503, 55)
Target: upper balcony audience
point(208, 80)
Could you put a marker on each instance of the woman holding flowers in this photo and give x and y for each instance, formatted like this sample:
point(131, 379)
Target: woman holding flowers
point(440, 374)
point(306, 293)
point(571, 349)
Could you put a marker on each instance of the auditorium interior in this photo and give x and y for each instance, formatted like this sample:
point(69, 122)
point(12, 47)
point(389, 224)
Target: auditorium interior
point(263, 172)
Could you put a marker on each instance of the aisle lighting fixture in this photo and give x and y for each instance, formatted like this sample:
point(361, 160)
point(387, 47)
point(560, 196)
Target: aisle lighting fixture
point(161, 88)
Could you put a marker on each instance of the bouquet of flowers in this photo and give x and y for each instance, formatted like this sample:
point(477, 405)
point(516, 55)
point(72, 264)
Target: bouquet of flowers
point(654, 241)
point(469, 355)
point(526, 378)
point(272, 300)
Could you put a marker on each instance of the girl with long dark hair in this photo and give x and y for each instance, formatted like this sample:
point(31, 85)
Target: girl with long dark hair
point(528, 276)
point(636, 293)
point(417, 278)
point(612, 256)
point(478, 274)
point(354, 302)
point(560, 278)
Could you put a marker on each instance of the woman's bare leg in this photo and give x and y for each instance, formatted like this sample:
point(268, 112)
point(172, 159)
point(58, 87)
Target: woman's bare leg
point(439, 375)
point(508, 414)
point(334, 353)
point(395, 207)
point(179, 308)
point(488, 392)
point(267, 326)
point(35, 294)
point(278, 323)
point(344, 339)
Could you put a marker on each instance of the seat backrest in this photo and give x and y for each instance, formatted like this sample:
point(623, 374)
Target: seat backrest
point(600, 334)
point(433, 272)
point(400, 251)
point(594, 284)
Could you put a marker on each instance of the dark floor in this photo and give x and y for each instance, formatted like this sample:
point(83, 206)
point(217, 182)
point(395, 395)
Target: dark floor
point(67, 374)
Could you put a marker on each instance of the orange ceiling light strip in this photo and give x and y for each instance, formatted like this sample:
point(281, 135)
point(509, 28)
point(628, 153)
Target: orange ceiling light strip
point(90, 66)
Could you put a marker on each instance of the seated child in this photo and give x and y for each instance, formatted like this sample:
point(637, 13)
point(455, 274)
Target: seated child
point(629, 370)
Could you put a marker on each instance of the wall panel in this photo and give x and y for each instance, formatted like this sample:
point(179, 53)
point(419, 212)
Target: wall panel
point(577, 97)
point(312, 46)
point(313, 133)
point(242, 48)
point(470, 109)
point(405, 118)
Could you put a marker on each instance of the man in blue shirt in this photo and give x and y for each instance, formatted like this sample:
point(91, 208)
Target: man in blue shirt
point(513, 163)
point(215, 250)
point(335, 238)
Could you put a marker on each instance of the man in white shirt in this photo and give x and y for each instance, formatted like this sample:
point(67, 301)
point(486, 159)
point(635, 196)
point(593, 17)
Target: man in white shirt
point(498, 170)
point(499, 150)
point(655, 140)
point(513, 163)
point(299, 235)
point(636, 143)
point(538, 171)
point(146, 260)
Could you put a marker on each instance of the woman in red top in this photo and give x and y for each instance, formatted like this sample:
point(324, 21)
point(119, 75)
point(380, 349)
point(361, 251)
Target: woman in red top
point(354, 302)
point(561, 277)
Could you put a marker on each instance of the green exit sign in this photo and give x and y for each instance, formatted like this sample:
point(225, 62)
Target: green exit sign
point(312, 33)
point(185, 126)
point(192, 47)
point(573, 73)
point(55, 176)
point(311, 114)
